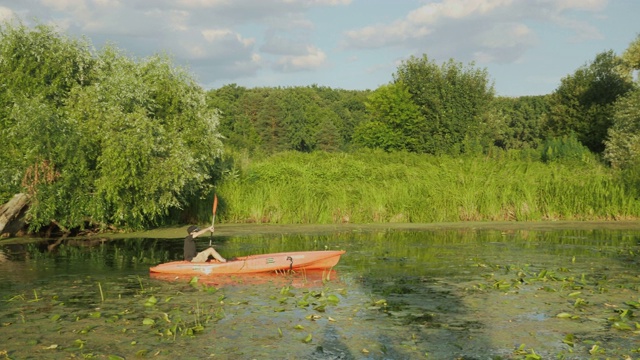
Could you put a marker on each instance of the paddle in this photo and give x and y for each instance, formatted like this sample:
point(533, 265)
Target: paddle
point(213, 219)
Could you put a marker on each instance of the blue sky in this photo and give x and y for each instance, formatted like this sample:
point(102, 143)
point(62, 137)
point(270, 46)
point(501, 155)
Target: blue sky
point(527, 46)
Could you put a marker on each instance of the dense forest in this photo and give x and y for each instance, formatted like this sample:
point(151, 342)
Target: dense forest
point(98, 139)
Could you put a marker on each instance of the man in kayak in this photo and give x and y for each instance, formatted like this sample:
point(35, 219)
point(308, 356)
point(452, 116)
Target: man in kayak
point(190, 253)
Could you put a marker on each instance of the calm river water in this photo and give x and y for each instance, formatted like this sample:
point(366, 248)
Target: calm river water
point(396, 294)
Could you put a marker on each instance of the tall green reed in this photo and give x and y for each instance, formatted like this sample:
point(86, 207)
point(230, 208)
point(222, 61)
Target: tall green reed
point(375, 187)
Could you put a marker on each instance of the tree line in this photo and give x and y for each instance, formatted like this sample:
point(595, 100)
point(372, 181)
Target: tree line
point(429, 108)
point(97, 138)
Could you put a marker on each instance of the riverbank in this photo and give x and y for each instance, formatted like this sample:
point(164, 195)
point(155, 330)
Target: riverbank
point(318, 229)
point(253, 229)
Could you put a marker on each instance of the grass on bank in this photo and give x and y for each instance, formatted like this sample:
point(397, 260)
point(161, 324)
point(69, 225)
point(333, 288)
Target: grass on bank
point(375, 187)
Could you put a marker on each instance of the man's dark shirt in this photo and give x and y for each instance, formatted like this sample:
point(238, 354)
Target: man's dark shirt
point(189, 248)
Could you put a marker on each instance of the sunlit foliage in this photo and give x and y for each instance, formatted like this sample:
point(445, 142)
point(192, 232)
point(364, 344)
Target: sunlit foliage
point(583, 103)
point(379, 187)
point(98, 137)
point(453, 99)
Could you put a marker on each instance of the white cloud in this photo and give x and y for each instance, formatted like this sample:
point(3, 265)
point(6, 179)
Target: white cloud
point(480, 30)
point(179, 20)
point(62, 24)
point(204, 3)
point(282, 42)
point(212, 35)
point(313, 59)
point(6, 14)
point(221, 38)
point(217, 46)
point(237, 39)
point(505, 35)
point(225, 35)
point(454, 9)
point(424, 22)
point(61, 5)
point(375, 36)
point(559, 12)
point(581, 31)
point(589, 5)
point(224, 72)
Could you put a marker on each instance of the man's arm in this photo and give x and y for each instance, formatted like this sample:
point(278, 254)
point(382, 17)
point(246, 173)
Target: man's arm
point(198, 233)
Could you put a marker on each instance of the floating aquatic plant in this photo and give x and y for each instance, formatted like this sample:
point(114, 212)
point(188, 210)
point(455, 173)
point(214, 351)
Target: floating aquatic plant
point(151, 301)
point(308, 338)
point(529, 354)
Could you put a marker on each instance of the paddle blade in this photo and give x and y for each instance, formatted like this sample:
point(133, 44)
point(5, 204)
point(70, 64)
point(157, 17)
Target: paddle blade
point(215, 204)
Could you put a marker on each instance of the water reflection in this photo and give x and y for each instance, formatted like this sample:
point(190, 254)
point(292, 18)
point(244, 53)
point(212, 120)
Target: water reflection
point(396, 294)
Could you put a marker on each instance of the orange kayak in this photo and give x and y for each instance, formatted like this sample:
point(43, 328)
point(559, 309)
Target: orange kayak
point(308, 260)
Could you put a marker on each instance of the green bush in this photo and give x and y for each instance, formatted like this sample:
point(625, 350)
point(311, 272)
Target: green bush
point(566, 149)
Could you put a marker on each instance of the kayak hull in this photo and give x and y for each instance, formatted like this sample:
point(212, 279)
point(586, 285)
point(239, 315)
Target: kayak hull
point(309, 260)
point(297, 279)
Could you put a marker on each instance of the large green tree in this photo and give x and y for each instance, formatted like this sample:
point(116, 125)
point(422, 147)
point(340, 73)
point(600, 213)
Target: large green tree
point(299, 130)
point(393, 112)
point(351, 111)
point(453, 100)
point(101, 139)
point(623, 143)
point(235, 127)
point(583, 103)
point(519, 121)
point(269, 120)
point(38, 69)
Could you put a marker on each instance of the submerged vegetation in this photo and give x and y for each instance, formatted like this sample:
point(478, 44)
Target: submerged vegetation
point(144, 318)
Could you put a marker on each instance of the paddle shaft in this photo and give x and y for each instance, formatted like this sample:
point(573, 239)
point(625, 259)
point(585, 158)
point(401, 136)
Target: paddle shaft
point(213, 218)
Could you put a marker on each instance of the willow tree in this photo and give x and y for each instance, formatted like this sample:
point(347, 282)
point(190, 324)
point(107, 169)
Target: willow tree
point(38, 68)
point(104, 139)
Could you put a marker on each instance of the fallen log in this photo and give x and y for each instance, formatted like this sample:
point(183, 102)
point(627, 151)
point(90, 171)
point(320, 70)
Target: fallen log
point(12, 215)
